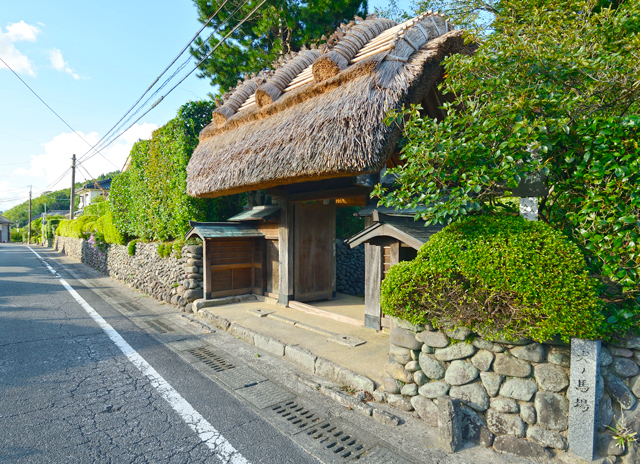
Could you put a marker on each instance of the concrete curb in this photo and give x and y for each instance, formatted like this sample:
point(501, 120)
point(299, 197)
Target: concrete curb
point(301, 357)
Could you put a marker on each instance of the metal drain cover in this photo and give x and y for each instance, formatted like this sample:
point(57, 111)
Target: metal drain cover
point(264, 394)
point(240, 377)
point(332, 442)
point(380, 455)
point(211, 359)
point(159, 326)
point(292, 417)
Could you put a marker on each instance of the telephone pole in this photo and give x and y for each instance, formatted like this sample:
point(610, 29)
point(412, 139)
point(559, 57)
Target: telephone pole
point(29, 237)
point(72, 200)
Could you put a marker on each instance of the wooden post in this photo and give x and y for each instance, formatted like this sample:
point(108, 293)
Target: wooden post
point(285, 252)
point(373, 258)
point(206, 269)
point(395, 253)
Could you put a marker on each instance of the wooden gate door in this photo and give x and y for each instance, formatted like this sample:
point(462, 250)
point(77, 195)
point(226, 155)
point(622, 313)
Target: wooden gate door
point(314, 256)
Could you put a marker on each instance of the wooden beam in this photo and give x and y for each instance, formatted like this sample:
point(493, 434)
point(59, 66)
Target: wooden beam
point(395, 252)
point(373, 271)
point(285, 252)
point(206, 270)
point(330, 194)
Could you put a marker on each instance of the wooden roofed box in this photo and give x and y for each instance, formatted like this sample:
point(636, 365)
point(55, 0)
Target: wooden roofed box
point(313, 133)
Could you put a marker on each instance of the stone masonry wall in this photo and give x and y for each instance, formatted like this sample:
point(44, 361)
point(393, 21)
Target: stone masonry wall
point(513, 395)
point(174, 280)
point(349, 269)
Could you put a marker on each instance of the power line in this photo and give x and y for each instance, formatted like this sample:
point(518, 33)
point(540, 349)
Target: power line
point(182, 80)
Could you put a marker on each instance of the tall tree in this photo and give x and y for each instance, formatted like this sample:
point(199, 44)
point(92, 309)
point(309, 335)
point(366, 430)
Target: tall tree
point(277, 28)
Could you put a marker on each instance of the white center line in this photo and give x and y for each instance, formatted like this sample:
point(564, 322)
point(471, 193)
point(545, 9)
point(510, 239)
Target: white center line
point(207, 433)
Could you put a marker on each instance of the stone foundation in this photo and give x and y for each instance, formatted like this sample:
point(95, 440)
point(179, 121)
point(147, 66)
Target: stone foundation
point(513, 395)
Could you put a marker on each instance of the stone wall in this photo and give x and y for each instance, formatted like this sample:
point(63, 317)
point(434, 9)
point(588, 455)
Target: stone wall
point(349, 269)
point(513, 395)
point(176, 279)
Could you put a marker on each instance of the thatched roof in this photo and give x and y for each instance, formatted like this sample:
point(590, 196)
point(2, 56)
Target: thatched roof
point(326, 120)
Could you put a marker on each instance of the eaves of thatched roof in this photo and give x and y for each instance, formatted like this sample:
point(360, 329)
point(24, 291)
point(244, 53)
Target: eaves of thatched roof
point(321, 115)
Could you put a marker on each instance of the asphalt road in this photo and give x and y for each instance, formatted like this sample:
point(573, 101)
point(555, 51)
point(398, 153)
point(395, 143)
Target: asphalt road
point(68, 394)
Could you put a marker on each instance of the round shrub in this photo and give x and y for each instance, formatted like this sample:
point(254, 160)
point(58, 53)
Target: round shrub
point(500, 276)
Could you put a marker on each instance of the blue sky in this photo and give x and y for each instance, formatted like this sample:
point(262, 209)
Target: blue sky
point(90, 61)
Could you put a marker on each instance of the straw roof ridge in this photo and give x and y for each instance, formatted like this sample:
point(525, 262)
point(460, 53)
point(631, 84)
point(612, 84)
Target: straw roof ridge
point(322, 130)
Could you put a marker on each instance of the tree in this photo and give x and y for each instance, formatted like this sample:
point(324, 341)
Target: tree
point(279, 27)
point(553, 88)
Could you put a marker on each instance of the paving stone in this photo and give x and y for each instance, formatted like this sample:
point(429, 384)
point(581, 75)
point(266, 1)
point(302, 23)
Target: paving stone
point(459, 333)
point(460, 373)
point(385, 418)
point(511, 366)
point(505, 424)
point(551, 377)
point(400, 402)
point(432, 368)
point(242, 332)
point(433, 339)
point(605, 413)
point(434, 389)
point(412, 366)
point(608, 445)
point(483, 344)
point(532, 353)
point(624, 367)
point(520, 447)
point(559, 356)
point(552, 410)
point(449, 426)
point(419, 378)
point(472, 394)
point(483, 359)
point(269, 344)
point(392, 386)
point(458, 351)
point(474, 428)
point(410, 389)
point(399, 354)
point(519, 389)
point(426, 409)
point(302, 357)
point(491, 382)
point(505, 405)
point(605, 357)
point(547, 438)
point(398, 372)
point(343, 376)
point(528, 413)
point(619, 391)
point(621, 352)
point(404, 338)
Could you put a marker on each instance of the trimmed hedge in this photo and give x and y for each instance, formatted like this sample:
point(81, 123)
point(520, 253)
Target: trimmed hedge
point(500, 276)
point(149, 200)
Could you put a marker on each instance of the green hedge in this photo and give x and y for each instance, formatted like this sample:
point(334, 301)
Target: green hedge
point(77, 228)
point(500, 276)
point(149, 200)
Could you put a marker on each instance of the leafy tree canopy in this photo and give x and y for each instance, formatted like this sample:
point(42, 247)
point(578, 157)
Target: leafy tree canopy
point(553, 88)
point(277, 28)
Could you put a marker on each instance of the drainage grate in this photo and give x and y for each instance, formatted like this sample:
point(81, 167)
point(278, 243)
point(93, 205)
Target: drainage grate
point(129, 307)
point(159, 326)
point(264, 394)
point(240, 377)
point(296, 416)
point(331, 443)
point(211, 359)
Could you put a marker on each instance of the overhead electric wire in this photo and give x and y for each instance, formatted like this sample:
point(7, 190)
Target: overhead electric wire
point(51, 109)
point(182, 80)
point(152, 96)
point(161, 74)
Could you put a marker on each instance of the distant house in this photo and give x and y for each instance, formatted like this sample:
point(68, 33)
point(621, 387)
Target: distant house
point(88, 192)
point(5, 232)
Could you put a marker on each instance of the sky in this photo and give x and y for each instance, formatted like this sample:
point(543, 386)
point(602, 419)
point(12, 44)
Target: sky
point(89, 61)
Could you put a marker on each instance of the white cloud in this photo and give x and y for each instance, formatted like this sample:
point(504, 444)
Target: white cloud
point(59, 64)
point(17, 32)
point(57, 155)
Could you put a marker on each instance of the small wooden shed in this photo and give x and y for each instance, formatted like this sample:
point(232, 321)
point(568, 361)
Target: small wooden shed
point(388, 240)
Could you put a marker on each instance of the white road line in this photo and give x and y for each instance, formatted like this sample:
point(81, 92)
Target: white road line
point(207, 433)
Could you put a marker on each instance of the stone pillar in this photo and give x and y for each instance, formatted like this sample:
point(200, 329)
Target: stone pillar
point(449, 426)
point(583, 397)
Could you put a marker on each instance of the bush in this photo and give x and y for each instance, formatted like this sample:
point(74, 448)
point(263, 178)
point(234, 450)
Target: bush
point(16, 236)
point(131, 248)
point(500, 276)
point(77, 228)
point(105, 227)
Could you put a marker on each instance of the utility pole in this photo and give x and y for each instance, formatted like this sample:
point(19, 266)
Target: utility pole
point(72, 200)
point(29, 237)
